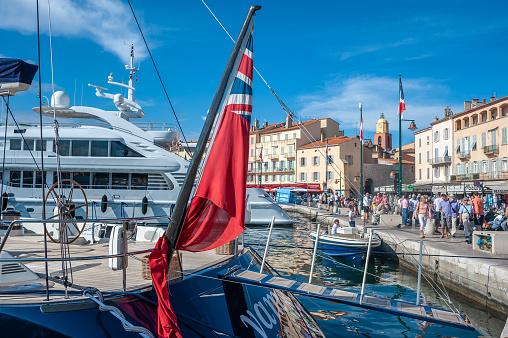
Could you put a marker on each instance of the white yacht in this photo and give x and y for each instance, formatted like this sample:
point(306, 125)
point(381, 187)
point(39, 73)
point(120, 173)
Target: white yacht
point(123, 168)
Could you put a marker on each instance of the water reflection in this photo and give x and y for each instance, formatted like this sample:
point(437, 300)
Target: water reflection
point(290, 254)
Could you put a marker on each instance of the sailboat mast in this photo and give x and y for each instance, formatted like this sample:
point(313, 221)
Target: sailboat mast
point(176, 222)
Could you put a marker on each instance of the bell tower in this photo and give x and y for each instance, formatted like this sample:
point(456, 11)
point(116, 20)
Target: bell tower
point(382, 137)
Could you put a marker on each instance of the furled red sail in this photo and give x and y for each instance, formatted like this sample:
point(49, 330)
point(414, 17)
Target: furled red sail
point(217, 212)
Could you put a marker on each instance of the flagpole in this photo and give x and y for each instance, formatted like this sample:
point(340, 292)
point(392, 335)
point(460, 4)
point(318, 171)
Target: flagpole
point(326, 166)
point(400, 143)
point(361, 158)
point(177, 218)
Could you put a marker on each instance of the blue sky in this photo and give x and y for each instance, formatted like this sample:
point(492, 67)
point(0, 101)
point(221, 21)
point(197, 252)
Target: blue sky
point(321, 57)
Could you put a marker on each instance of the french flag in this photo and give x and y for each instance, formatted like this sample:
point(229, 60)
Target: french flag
point(402, 105)
point(216, 215)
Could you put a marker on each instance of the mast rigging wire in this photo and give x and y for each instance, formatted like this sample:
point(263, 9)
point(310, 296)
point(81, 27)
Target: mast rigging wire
point(187, 149)
point(295, 119)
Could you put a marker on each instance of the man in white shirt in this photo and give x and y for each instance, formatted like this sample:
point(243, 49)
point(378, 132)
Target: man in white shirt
point(412, 205)
point(366, 206)
point(437, 208)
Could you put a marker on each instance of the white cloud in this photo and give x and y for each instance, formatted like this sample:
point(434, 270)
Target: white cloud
point(108, 23)
point(425, 99)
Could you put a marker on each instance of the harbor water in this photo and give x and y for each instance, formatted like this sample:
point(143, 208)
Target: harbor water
point(290, 253)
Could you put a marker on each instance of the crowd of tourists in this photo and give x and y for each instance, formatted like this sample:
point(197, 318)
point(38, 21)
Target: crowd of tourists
point(448, 213)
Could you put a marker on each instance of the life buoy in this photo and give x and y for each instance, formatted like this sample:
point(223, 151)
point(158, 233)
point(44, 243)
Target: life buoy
point(5, 198)
point(144, 205)
point(104, 203)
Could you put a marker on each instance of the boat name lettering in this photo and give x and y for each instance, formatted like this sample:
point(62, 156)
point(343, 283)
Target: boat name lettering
point(261, 314)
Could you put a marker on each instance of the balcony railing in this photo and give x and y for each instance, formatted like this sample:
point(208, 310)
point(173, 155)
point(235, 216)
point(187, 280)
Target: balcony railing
point(272, 170)
point(440, 160)
point(464, 154)
point(492, 149)
point(288, 155)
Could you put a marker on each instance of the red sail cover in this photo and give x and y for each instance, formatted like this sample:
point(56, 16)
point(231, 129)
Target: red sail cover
point(166, 324)
point(217, 212)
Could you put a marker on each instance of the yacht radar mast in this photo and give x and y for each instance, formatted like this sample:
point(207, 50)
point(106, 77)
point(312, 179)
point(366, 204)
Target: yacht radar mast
point(127, 106)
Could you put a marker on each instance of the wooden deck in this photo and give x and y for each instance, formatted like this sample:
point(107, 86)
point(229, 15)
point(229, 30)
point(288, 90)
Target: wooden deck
point(87, 273)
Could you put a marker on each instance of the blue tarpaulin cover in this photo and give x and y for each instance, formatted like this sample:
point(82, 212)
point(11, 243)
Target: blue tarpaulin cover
point(15, 70)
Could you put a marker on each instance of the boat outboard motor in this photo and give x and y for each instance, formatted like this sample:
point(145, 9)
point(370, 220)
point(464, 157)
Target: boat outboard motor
point(104, 203)
point(5, 199)
point(144, 205)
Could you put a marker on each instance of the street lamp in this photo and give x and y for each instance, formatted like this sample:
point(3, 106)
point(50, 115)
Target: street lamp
point(412, 127)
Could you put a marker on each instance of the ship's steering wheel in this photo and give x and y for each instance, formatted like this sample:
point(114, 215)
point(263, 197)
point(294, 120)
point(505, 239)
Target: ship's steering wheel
point(66, 210)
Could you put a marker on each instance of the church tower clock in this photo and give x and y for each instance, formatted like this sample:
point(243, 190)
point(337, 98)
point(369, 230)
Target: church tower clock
point(382, 137)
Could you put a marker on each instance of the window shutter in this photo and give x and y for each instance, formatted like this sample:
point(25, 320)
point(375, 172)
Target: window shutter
point(463, 144)
point(317, 160)
point(504, 136)
point(484, 140)
point(473, 147)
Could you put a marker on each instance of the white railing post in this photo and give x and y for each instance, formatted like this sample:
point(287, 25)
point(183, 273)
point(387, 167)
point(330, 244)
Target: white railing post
point(366, 265)
point(314, 253)
point(266, 247)
point(419, 274)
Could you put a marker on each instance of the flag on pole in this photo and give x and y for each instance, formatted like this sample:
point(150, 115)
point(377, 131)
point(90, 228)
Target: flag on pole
point(261, 155)
point(361, 130)
point(402, 105)
point(216, 215)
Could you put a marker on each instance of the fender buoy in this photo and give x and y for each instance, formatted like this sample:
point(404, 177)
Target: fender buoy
point(104, 203)
point(144, 205)
point(5, 198)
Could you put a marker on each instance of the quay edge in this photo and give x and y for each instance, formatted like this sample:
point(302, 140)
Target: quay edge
point(472, 275)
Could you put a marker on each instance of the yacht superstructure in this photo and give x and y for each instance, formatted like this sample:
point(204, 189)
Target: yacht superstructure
point(123, 168)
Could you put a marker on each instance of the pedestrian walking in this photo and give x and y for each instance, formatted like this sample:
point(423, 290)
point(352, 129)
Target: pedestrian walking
point(423, 213)
point(366, 206)
point(455, 209)
point(446, 216)
point(478, 211)
point(466, 214)
point(404, 203)
point(411, 209)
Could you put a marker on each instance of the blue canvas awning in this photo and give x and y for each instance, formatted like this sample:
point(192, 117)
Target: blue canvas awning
point(15, 70)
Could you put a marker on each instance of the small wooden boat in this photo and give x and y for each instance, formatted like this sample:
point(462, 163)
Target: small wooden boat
point(347, 242)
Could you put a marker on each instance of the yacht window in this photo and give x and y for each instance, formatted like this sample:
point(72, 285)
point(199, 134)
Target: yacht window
point(100, 148)
point(139, 181)
point(38, 178)
point(15, 144)
point(82, 178)
point(79, 148)
point(28, 144)
point(65, 176)
point(120, 180)
point(15, 179)
point(63, 147)
point(120, 150)
point(38, 145)
point(28, 179)
point(100, 180)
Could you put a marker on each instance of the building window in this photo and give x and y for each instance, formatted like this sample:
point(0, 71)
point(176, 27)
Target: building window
point(252, 140)
point(330, 159)
point(252, 152)
point(274, 151)
point(303, 161)
point(278, 137)
point(286, 136)
point(475, 120)
point(484, 118)
point(315, 176)
point(475, 167)
point(428, 155)
point(303, 177)
point(428, 173)
point(420, 174)
point(420, 158)
point(315, 160)
point(505, 164)
point(294, 135)
point(436, 136)
point(348, 159)
point(466, 123)
point(330, 176)
point(419, 142)
point(485, 168)
point(473, 145)
point(428, 140)
point(446, 134)
point(492, 115)
point(503, 111)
